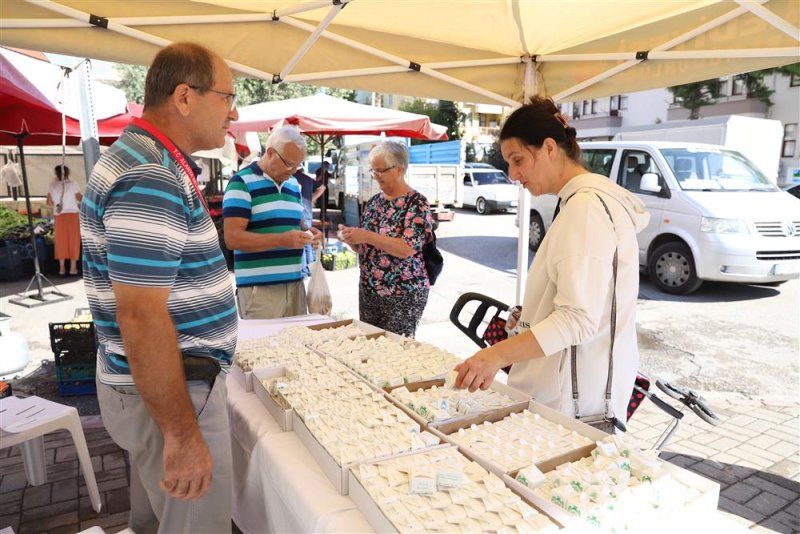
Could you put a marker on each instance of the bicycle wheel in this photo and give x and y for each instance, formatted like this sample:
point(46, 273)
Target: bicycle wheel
point(704, 412)
point(675, 392)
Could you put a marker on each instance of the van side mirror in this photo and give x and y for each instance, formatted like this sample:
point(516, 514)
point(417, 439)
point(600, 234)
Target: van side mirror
point(650, 183)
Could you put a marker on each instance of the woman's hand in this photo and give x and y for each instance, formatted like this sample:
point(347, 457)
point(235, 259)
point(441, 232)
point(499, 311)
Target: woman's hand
point(479, 370)
point(316, 241)
point(353, 236)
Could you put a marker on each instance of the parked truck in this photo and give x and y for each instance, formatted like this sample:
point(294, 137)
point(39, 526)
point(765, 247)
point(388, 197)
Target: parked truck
point(352, 184)
point(759, 140)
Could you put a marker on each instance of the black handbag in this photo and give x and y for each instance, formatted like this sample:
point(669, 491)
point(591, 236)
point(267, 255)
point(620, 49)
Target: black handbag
point(433, 259)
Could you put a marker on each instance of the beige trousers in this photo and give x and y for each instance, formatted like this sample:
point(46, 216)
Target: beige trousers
point(273, 301)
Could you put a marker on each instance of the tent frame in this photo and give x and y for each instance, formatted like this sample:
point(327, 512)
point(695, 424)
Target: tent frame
point(123, 25)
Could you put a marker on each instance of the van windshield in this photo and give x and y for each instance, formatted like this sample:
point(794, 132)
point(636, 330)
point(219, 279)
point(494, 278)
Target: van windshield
point(489, 178)
point(705, 169)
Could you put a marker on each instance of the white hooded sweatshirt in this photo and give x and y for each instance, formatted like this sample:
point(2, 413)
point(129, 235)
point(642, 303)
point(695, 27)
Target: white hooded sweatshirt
point(568, 299)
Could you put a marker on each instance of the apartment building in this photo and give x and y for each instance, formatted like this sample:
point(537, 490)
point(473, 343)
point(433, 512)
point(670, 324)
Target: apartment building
point(600, 119)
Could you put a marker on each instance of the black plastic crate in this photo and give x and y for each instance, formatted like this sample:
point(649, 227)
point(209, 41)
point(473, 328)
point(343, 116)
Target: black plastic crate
point(74, 336)
point(337, 261)
point(75, 372)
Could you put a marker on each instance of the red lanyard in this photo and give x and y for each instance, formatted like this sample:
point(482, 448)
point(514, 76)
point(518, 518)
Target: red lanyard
point(177, 155)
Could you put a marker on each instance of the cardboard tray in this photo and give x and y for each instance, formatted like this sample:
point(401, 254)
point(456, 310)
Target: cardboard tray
point(283, 416)
point(683, 519)
point(378, 519)
point(521, 402)
point(337, 474)
point(368, 329)
point(244, 378)
point(444, 431)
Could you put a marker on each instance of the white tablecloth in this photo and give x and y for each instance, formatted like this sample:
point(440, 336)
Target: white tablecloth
point(278, 486)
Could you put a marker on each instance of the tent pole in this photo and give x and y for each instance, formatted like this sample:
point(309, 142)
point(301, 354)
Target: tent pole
point(40, 297)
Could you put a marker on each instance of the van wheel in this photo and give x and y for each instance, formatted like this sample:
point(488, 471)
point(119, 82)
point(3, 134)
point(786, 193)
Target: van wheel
point(671, 268)
point(535, 232)
point(481, 206)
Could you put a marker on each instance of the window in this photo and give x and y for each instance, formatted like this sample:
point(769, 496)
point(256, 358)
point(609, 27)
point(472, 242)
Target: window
point(623, 102)
point(594, 107)
point(587, 107)
point(633, 165)
point(789, 140)
point(738, 87)
point(598, 160)
point(723, 86)
point(613, 103)
point(794, 81)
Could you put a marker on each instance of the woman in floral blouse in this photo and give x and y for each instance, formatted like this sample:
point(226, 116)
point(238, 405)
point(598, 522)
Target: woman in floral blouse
point(395, 224)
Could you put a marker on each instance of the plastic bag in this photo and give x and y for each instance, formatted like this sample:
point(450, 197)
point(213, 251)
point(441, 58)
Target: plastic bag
point(318, 296)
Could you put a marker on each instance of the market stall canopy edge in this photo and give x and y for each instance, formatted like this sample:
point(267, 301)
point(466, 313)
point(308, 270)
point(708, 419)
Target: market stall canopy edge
point(493, 51)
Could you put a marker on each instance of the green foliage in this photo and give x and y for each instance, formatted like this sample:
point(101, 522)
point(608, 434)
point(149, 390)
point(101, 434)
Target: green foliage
point(695, 95)
point(131, 80)
point(444, 112)
point(254, 91)
point(494, 157)
point(250, 90)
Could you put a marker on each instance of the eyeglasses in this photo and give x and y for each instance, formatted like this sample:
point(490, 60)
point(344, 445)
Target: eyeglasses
point(380, 172)
point(286, 163)
point(232, 97)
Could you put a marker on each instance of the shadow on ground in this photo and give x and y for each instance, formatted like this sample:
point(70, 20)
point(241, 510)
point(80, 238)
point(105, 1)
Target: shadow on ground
point(42, 382)
point(768, 500)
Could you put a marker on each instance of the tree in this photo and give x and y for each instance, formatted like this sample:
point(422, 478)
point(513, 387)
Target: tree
point(494, 157)
point(443, 112)
point(695, 95)
point(250, 90)
point(131, 80)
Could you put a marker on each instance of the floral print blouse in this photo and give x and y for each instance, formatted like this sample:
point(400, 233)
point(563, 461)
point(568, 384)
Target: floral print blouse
point(409, 218)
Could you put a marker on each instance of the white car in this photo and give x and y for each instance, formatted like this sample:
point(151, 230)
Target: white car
point(713, 213)
point(488, 189)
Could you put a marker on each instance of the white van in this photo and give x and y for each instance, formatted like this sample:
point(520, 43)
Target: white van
point(488, 189)
point(713, 214)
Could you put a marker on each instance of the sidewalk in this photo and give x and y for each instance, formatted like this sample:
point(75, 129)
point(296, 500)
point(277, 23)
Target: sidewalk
point(754, 454)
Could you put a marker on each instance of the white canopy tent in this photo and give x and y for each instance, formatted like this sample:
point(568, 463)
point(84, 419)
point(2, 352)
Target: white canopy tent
point(494, 51)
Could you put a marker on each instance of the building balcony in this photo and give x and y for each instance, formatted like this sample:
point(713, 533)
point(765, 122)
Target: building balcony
point(605, 120)
point(733, 105)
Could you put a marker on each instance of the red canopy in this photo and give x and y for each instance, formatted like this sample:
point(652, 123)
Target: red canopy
point(324, 114)
point(25, 109)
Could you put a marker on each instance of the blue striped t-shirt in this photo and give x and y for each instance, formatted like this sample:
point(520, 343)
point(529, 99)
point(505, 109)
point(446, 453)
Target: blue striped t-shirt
point(271, 208)
point(142, 224)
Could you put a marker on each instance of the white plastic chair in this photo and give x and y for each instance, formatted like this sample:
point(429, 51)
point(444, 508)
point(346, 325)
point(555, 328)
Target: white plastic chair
point(23, 422)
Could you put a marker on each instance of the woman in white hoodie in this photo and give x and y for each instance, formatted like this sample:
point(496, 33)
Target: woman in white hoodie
point(571, 283)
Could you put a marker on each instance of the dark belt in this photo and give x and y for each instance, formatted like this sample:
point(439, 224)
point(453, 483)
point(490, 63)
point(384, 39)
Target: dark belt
point(203, 368)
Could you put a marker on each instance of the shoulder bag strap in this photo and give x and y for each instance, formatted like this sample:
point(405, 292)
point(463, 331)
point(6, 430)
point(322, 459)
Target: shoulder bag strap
point(574, 349)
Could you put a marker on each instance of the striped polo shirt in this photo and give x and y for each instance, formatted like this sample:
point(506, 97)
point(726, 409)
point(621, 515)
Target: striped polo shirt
point(271, 208)
point(142, 224)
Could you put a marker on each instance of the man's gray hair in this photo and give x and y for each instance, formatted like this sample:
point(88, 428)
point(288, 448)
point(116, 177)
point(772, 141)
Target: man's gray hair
point(393, 153)
point(280, 137)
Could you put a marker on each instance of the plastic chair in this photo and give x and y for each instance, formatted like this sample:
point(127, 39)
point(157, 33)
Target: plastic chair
point(23, 422)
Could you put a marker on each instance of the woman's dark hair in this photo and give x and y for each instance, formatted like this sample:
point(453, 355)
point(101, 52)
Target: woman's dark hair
point(534, 122)
point(61, 174)
point(178, 63)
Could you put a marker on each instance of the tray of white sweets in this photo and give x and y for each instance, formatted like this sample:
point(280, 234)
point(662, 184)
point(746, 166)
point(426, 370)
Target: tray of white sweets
point(440, 490)
point(620, 488)
point(269, 352)
point(341, 420)
point(531, 435)
point(268, 384)
point(390, 360)
point(436, 403)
